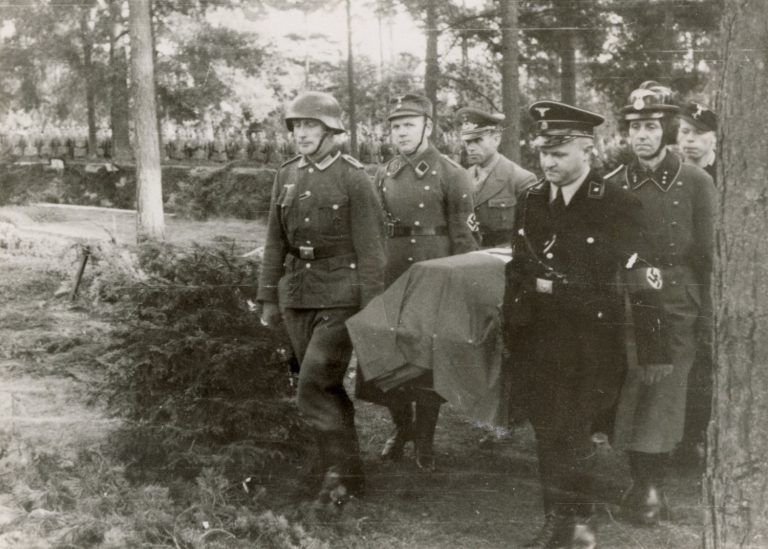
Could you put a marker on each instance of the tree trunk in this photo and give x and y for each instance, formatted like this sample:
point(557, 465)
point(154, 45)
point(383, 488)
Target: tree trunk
point(568, 67)
point(432, 73)
point(149, 200)
point(351, 85)
point(90, 81)
point(510, 80)
point(737, 470)
point(119, 95)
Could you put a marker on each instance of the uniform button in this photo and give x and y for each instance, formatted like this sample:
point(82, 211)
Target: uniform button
point(679, 183)
point(426, 187)
point(625, 186)
point(352, 266)
point(590, 240)
point(674, 283)
point(311, 170)
point(434, 172)
point(335, 206)
point(383, 189)
point(671, 244)
point(464, 195)
point(417, 223)
point(309, 242)
point(421, 204)
point(674, 224)
point(675, 202)
point(550, 255)
point(599, 314)
point(388, 174)
point(309, 265)
point(306, 220)
point(410, 259)
point(413, 241)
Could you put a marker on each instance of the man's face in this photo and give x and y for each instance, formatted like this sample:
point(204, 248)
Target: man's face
point(406, 132)
point(695, 143)
point(308, 134)
point(645, 137)
point(482, 148)
point(563, 164)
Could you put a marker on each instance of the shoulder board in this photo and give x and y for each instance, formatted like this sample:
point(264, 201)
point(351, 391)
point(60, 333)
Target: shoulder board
point(290, 160)
point(353, 161)
point(596, 188)
point(452, 161)
point(614, 172)
point(537, 188)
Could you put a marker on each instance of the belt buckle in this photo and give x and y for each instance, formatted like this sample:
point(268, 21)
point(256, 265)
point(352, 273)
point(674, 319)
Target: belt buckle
point(390, 230)
point(307, 252)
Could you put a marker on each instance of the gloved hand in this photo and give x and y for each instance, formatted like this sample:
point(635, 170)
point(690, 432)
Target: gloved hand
point(270, 314)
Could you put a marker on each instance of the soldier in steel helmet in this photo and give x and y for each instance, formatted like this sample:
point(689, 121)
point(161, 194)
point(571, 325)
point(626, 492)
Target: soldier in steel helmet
point(323, 261)
point(498, 181)
point(678, 204)
point(577, 279)
point(427, 200)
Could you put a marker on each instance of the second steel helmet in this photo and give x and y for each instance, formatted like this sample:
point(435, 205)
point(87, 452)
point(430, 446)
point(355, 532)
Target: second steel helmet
point(318, 106)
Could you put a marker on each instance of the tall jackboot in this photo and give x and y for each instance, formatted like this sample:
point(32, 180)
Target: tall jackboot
point(646, 499)
point(402, 416)
point(427, 412)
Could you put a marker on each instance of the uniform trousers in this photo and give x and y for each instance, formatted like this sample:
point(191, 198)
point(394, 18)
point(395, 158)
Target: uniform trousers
point(322, 346)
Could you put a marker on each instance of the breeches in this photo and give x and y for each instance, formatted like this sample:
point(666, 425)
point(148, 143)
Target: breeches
point(321, 343)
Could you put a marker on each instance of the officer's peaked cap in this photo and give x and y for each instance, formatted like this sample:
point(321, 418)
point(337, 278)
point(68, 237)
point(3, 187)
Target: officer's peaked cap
point(475, 122)
point(700, 116)
point(318, 106)
point(410, 104)
point(558, 123)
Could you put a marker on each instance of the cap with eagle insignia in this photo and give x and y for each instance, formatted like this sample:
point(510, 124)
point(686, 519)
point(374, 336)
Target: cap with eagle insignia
point(558, 123)
point(700, 116)
point(650, 101)
point(410, 104)
point(475, 122)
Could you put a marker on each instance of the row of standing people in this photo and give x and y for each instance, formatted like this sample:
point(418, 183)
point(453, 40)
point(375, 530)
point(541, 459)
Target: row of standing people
point(573, 233)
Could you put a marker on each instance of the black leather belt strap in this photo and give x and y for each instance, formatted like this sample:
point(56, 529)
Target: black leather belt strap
point(395, 230)
point(496, 238)
point(308, 253)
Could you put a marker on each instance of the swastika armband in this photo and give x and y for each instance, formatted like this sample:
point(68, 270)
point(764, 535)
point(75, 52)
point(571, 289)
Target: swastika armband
point(644, 279)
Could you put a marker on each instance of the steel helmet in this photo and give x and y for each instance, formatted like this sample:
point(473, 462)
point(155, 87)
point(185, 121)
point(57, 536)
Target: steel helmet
point(317, 106)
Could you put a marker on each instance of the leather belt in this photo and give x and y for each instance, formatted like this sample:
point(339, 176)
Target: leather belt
point(309, 253)
point(396, 230)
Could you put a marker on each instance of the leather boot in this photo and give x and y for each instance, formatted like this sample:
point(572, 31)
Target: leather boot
point(402, 417)
point(427, 412)
point(645, 499)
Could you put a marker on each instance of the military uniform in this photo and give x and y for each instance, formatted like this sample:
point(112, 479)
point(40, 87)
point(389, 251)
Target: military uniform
point(427, 201)
point(324, 260)
point(496, 194)
point(678, 201)
point(575, 271)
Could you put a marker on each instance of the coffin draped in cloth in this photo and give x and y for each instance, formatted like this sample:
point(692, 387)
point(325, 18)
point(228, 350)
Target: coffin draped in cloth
point(440, 315)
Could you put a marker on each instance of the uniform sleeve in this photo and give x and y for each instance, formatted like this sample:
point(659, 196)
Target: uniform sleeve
point(704, 200)
point(516, 308)
point(524, 183)
point(367, 235)
point(650, 333)
point(460, 211)
point(275, 250)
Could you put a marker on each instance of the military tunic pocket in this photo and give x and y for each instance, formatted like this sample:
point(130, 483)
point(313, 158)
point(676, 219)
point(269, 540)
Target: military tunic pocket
point(502, 210)
point(334, 216)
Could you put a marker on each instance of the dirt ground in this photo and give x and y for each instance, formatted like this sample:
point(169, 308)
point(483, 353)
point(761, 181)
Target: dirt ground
point(477, 498)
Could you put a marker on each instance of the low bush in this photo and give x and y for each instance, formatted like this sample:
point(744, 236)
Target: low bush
point(194, 366)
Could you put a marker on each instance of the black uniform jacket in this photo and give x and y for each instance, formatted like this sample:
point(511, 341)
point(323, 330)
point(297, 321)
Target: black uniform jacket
point(569, 287)
point(325, 245)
